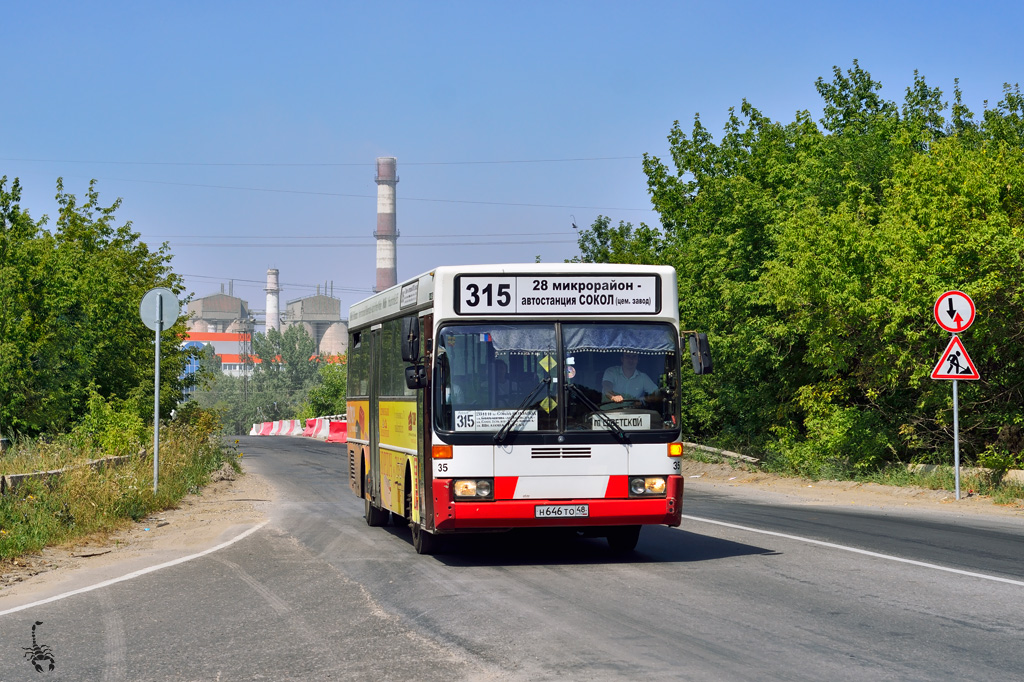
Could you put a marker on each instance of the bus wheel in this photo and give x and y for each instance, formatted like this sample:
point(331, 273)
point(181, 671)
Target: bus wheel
point(622, 539)
point(422, 541)
point(375, 516)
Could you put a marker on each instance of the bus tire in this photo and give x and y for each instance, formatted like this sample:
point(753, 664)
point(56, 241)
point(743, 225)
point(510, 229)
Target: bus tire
point(623, 539)
point(422, 541)
point(375, 516)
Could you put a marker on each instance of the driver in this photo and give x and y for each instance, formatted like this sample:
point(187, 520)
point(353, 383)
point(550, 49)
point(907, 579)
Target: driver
point(626, 382)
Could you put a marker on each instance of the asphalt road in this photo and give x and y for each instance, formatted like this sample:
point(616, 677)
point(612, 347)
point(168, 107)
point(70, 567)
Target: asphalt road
point(794, 593)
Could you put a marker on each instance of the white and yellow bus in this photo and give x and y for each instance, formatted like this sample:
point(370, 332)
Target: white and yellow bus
point(493, 397)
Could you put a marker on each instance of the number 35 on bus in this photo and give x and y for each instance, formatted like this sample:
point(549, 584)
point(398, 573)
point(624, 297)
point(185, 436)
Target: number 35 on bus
point(493, 397)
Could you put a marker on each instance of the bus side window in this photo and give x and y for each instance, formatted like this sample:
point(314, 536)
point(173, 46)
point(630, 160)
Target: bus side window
point(442, 391)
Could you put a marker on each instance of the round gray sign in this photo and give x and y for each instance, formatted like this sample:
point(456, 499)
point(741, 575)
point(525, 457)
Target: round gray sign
point(159, 304)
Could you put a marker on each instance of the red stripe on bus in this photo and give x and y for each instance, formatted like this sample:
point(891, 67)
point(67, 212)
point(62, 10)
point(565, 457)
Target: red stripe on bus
point(450, 515)
point(505, 487)
point(618, 486)
point(444, 509)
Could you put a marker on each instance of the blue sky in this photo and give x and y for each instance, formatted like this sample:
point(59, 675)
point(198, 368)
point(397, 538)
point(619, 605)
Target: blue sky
point(245, 134)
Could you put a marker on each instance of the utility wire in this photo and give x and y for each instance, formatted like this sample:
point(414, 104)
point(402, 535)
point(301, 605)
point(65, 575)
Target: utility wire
point(331, 236)
point(325, 165)
point(280, 284)
point(369, 196)
point(368, 245)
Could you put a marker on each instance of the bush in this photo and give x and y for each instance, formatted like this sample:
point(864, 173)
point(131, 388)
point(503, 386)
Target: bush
point(86, 499)
point(113, 427)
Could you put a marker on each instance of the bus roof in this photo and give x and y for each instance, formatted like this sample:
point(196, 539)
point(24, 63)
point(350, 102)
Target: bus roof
point(568, 284)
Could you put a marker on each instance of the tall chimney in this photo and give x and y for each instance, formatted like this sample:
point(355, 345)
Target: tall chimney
point(387, 233)
point(273, 302)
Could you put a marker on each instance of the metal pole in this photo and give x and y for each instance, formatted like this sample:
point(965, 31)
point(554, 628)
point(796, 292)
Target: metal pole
point(956, 438)
point(156, 392)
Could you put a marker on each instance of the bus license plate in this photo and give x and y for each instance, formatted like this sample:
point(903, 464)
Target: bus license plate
point(560, 511)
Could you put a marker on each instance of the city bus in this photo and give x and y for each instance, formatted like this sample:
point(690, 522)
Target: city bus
point(496, 397)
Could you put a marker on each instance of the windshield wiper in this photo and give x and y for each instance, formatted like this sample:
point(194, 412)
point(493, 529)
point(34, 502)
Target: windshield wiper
point(612, 425)
point(499, 437)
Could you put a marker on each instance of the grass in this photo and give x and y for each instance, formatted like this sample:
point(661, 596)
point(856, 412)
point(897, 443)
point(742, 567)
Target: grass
point(942, 478)
point(85, 501)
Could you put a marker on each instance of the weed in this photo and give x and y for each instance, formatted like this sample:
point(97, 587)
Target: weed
point(85, 500)
point(988, 483)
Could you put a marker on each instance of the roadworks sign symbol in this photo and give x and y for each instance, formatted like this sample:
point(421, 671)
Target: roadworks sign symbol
point(955, 363)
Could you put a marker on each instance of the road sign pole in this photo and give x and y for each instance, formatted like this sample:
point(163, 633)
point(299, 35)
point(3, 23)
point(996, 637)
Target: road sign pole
point(156, 392)
point(159, 310)
point(956, 438)
point(955, 311)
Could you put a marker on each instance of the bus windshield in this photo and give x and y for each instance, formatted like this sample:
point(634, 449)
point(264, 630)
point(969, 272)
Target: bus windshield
point(557, 377)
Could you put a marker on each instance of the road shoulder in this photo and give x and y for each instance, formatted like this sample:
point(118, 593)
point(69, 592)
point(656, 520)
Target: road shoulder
point(727, 477)
point(222, 510)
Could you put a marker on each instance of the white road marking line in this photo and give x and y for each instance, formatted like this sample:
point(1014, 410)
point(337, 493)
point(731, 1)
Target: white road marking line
point(865, 552)
point(136, 574)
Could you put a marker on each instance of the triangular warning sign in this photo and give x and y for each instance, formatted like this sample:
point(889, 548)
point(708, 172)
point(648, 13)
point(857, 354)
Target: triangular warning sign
point(955, 363)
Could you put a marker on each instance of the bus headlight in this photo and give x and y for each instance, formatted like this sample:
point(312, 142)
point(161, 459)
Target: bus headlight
point(648, 485)
point(479, 488)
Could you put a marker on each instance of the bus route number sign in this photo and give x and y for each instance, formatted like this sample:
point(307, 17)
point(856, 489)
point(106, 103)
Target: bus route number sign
point(543, 294)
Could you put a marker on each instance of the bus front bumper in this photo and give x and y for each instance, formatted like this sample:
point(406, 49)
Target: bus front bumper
point(452, 515)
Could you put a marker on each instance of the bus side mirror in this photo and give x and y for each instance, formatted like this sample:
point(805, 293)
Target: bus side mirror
point(410, 339)
point(700, 354)
point(416, 377)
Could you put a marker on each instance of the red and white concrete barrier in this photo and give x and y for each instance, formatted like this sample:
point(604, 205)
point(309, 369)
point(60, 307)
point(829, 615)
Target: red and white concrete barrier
point(321, 429)
point(338, 432)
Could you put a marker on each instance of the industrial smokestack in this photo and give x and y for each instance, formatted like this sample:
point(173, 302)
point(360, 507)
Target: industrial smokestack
point(387, 233)
point(273, 301)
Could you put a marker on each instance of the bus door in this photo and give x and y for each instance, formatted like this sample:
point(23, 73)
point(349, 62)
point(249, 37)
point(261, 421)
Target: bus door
point(424, 429)
point(374, 417)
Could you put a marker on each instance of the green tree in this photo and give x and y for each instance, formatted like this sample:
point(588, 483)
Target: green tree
point(209, 363)
point(813, 252)
point(286, 360)
point(23, 250)
point(282, 371)
point(329, 396)
point(70, 320)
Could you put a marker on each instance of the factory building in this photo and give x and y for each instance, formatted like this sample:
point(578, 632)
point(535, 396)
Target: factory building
point(218, 313)
point(320, 315)
point(225, 322)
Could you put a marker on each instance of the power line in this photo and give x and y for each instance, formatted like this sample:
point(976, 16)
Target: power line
point(325, 164)
point(369, 196)
point(263, 282)
point(369, 245)
point(331, 236)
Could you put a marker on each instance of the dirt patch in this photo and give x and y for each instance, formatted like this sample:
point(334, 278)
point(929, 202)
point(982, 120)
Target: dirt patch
point(229, 503)
point(847, 493)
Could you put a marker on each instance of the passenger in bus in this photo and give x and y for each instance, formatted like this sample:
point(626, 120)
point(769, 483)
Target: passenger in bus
point(507, 391)
point(626, 383)
point(455, 395)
